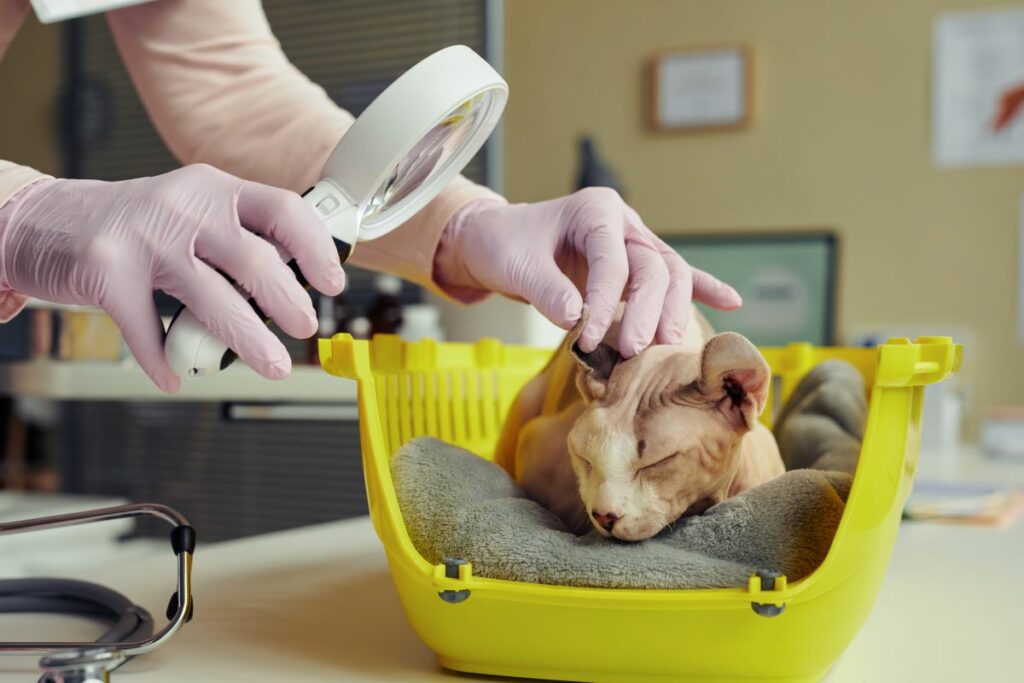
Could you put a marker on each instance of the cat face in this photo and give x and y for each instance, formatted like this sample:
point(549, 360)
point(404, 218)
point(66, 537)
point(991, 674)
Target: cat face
point(660, 433)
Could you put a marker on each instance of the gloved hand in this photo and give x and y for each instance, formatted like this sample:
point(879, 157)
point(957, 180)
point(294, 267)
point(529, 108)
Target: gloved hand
point(111, 244)
point(591, 242)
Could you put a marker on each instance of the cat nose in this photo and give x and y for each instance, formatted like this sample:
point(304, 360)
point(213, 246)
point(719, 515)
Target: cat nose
point(606, 520)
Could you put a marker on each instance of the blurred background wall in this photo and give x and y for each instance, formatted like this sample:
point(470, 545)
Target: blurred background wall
point(840, 138)
point(30, 80)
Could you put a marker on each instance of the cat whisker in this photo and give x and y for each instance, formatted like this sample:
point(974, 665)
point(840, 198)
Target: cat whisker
point(580, 520)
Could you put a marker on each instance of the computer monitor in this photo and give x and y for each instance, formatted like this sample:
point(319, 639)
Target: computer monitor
point(787, 281)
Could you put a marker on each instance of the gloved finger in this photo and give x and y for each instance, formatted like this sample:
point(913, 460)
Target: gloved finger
point(255, 264)
point(675, 315)
point(285, 218)
point(134, 312)
point(710, 290)
point(645, 296)
point(223, 311)
point(608, 271)
point(553, 294)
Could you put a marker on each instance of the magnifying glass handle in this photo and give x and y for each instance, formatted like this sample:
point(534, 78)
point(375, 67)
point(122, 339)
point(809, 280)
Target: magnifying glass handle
point(194, 351)
point(344, 250)
point(207, 360)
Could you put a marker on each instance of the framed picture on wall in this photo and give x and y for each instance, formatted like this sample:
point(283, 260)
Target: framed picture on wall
point(700, 88)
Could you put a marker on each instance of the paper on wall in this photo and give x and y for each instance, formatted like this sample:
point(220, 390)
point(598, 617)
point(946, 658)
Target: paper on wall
point(1020, 274)
point(978, 88)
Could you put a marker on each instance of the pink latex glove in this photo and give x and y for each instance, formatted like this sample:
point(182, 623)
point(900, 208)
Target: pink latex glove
point(111, 244)
point(590, 241)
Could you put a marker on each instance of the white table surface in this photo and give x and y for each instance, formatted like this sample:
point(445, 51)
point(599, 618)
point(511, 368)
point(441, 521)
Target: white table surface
point(317, 604)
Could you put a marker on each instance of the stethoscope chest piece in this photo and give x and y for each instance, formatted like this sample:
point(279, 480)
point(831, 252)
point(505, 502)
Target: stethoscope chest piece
point(81, 666)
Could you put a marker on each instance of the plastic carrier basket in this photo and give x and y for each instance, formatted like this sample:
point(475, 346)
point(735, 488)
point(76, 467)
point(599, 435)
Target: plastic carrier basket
point(767, 630)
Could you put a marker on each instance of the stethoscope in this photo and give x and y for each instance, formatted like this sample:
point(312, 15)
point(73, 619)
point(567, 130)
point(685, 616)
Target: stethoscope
point(131, 632)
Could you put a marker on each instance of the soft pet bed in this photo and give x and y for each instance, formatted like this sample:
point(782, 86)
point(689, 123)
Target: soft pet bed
point(457, 505)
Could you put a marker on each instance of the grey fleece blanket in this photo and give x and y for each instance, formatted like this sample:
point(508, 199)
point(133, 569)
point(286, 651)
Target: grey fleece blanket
point(458, 505)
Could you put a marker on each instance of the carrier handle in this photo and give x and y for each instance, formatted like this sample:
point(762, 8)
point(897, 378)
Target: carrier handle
point(902, 363)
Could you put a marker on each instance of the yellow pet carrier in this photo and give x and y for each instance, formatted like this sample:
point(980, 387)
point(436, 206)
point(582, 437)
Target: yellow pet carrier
point(769, 629)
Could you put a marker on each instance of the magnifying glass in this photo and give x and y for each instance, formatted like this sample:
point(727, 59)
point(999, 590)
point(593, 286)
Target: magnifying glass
point(401, 151)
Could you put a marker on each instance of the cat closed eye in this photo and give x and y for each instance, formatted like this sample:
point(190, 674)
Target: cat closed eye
point(660, 463)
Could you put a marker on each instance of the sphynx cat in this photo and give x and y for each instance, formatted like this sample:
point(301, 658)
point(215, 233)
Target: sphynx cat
point(630, 446)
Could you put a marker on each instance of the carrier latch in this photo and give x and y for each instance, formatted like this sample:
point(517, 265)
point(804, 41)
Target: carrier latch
point(763, 581)
point(454, 568)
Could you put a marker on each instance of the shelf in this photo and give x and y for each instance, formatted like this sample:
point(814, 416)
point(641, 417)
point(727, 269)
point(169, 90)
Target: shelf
point(111, 381)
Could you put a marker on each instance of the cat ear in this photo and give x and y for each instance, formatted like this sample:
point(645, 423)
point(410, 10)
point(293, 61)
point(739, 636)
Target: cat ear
point(736, 377)
point(595, 369)
point(596, 366)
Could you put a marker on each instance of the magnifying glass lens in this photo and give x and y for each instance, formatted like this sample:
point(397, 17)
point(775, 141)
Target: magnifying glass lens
point(428, 155)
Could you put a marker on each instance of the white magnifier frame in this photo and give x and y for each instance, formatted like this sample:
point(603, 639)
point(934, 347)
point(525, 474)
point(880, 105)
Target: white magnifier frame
point(402, 150)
